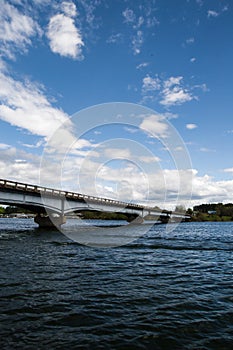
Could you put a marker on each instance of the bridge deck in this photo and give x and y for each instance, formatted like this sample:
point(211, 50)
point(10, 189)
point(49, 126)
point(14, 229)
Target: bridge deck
point(39, 191)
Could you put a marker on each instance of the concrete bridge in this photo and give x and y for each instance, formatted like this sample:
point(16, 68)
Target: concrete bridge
point(52, 205)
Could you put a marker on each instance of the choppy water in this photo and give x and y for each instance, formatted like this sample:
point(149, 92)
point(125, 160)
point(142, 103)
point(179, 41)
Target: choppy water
point(164, 291)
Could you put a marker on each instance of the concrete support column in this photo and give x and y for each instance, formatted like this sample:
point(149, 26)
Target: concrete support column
point(46, 222)
point(164, 219)
point(132, 219)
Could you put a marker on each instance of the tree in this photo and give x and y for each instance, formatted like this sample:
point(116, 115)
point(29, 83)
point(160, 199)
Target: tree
point(180, 209)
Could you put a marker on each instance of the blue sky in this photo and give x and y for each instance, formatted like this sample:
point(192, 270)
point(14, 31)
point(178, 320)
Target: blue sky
point(173, 57)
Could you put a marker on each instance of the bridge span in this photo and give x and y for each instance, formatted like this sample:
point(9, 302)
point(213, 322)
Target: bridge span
point(58, 203)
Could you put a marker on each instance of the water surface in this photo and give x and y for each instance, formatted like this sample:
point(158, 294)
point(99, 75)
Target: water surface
point(166, 290)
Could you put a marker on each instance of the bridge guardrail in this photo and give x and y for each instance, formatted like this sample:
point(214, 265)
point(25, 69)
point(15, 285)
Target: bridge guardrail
point(61, 193)
point(15, 185)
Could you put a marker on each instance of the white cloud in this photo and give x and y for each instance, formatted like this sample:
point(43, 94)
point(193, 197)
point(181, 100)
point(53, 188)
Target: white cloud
point(206, 190)
point(16, 30)
point(173, 93)
point(4, 146)
point(150, 84)
point(155, 124)
point(164, 187)
point(137, 42)
point(64, 38)
point(131, 130)
point(191, 126)
point(207, 150)
point(149, 159)
point(212, 13)
point(117, 153)
point(190, 41)
point(19, 165)
point(142, 65)
point(115, 38)
point(193, 59)
point(129, 16)
point(172, 81)
point(228, 170)
point(69, 8)
point(23, 104)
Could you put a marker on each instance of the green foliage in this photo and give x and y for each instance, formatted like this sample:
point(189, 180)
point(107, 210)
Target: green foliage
point(220, 209)
point(102, 216)
point(12, 209)
point(189, 211)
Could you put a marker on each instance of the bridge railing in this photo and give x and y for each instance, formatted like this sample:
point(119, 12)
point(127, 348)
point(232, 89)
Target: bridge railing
point(15, 185)
point(20, 186)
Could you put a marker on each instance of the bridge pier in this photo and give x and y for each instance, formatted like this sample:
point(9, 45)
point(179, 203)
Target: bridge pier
point(164, 219)
point(47, 222)
point(132, 219)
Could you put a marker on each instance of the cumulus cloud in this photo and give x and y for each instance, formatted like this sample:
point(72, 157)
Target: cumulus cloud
point(155, 124)
point(173, 93)
point(64, 38)
point(117, 153)
point(150, 84)
point(16, 30)
point(19, 165)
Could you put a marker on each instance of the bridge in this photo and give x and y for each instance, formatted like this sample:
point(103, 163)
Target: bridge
point(52, 205)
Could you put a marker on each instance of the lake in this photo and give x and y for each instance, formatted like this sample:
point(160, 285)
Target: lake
point(165, 290)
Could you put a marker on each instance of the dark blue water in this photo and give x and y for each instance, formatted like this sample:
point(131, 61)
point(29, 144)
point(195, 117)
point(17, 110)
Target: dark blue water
point(164, 291)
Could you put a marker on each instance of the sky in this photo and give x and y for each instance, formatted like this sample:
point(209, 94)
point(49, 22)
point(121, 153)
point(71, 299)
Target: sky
point(125, 99)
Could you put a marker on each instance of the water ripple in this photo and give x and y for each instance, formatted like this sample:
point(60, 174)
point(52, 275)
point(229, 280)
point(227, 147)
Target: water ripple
point(162, 291)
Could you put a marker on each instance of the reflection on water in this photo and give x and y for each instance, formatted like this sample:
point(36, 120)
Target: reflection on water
point(164, 290)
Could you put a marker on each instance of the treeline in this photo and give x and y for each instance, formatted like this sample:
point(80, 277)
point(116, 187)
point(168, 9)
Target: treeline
point(213, 212)
point(95, 215)
point(12, 209)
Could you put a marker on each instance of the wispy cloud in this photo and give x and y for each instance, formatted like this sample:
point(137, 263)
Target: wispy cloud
point(25, 105)
point(191, 126)
point(190, 40)
point(228, 170)
point(142, 65)
point(155, 124)
point(137, 42)
point(129, 16)
point(139, 22)
point(115, 38)
point(212, 13)
point(207, 150)
point(69, 8)
point(16, 30)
